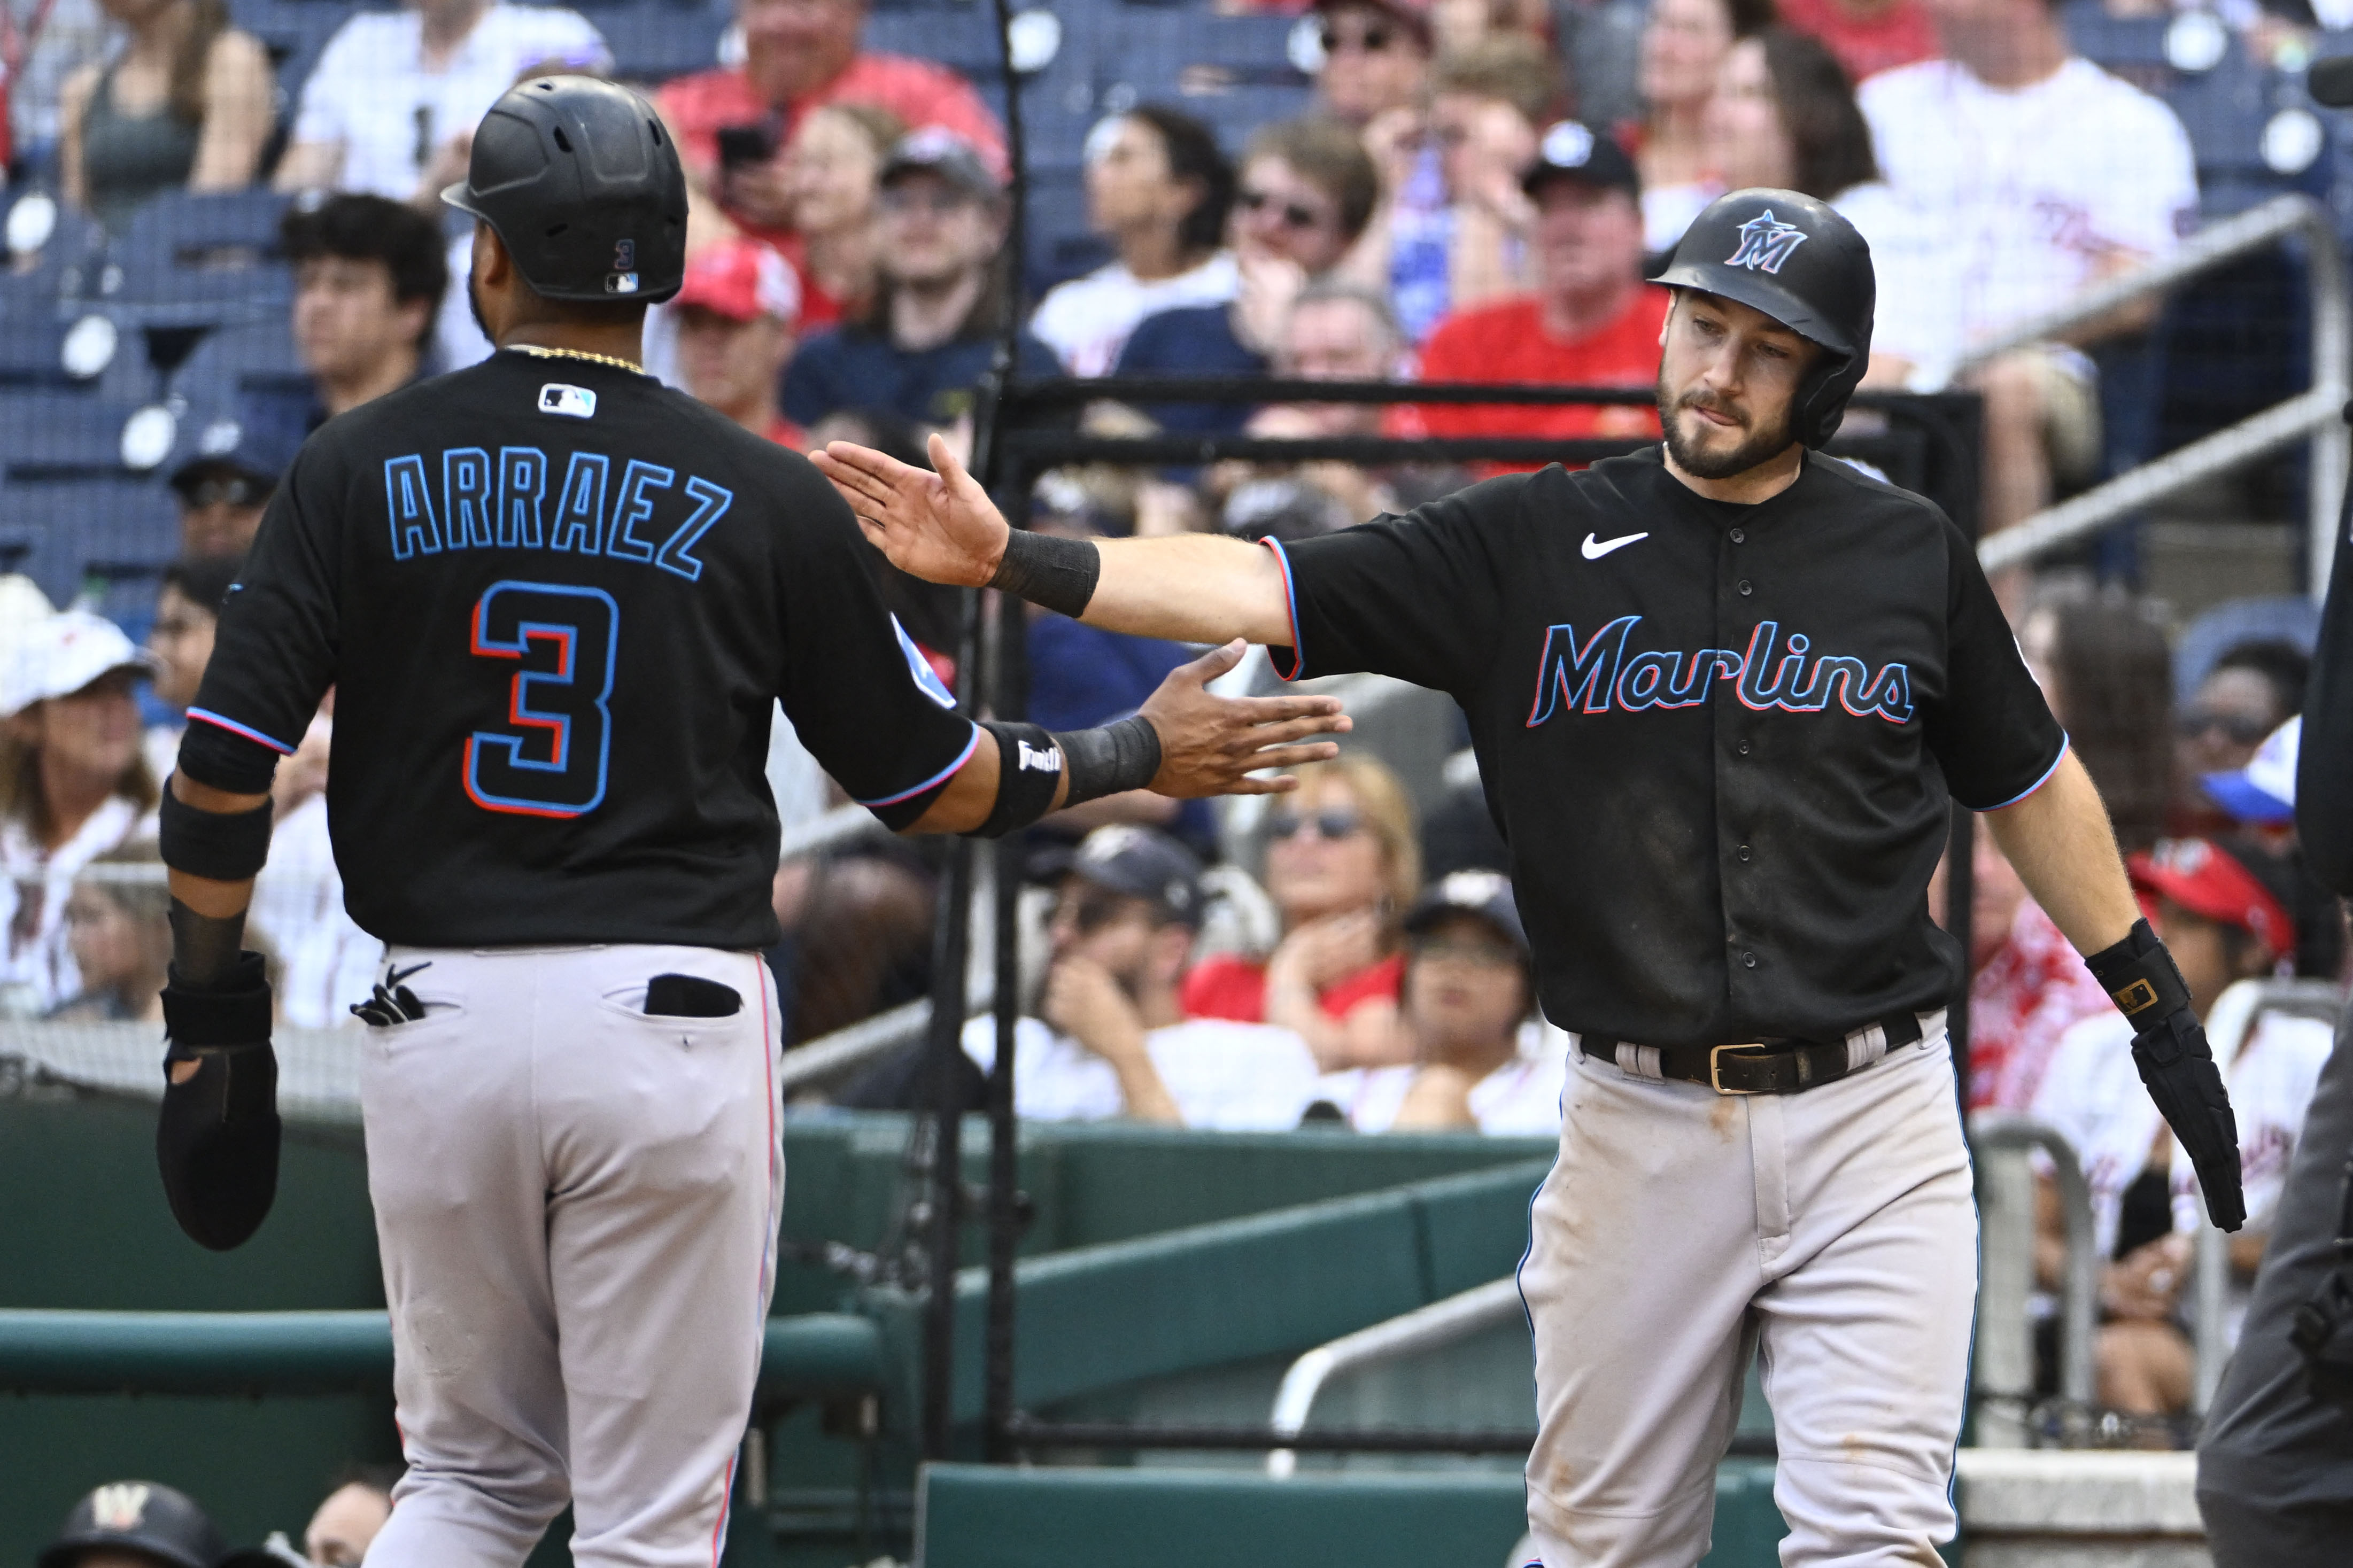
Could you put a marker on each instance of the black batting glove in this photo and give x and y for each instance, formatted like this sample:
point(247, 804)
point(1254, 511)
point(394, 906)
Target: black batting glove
point(217, 1137)
point(2176, 1063)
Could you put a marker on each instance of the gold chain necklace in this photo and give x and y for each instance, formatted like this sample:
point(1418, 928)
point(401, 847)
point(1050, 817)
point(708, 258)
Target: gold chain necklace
point(629, 364)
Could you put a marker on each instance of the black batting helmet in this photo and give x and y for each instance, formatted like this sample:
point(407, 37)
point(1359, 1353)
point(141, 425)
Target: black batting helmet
point(581, 183)
point(143, 1517)
point(1798, 261)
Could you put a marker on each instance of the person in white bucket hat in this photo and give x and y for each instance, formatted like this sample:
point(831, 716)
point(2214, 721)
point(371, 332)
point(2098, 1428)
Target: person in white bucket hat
point(73, 785)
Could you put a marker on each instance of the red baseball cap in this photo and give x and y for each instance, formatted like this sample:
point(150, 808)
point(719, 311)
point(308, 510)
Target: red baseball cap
point(741, 278)
point(2209, 882)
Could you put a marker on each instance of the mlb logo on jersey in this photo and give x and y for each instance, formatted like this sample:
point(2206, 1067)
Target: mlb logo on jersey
point(576, 402)
point(1765, 243)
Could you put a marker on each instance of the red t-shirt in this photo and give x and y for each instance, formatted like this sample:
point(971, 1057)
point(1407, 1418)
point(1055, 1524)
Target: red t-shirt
point(1508, 343)
point(784, 432)
point(917, 92)
point(1228, 986)
point(1898, 35)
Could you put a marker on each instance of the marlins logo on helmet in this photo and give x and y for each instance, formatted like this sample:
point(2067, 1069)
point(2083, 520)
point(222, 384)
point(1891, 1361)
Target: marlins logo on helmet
point(1765, 242)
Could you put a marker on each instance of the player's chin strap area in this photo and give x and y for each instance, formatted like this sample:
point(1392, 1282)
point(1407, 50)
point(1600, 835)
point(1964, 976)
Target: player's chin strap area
point(2323, 1328)
point(2176, 1063)
point(1032, 760)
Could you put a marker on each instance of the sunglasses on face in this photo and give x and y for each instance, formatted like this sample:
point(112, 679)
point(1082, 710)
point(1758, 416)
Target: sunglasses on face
point(1479, 954)
point(2237, 727)
point(1372, 40)
point(1330, 824)
point(237, 491)
point(1293, 215)
point(1090, 911)
point(939, 203)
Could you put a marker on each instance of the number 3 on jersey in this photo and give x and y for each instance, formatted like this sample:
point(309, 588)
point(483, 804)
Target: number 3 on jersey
point(551, 760)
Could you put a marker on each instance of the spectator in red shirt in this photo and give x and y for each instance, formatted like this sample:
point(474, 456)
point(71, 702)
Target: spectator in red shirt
point(800, 55)
point(736, 314)
point(1866, 35)
point(1343, 864)
point(1592, 320)
point(2027, 985)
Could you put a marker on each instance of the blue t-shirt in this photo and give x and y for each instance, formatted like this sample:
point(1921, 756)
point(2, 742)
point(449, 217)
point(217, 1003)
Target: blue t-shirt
point(858, 368)
point(1196, 340)
point(1082, 676)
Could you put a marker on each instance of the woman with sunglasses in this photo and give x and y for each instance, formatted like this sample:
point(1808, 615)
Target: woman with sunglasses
point(1342, 859)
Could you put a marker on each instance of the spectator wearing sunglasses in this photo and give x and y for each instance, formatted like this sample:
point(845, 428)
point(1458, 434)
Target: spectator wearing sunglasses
point(225, 469)
point(2250, 690)
point(1376, 57)
point(1110, 1037)
point(1467, 999)
point(1158, 189)
point(1342, 857)
point(180, 644)
point(1306, 196)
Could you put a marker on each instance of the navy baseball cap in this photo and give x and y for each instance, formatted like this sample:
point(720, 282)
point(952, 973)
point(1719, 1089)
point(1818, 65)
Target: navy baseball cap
point(250, 437)
point(1142, 864)
point(145, 1518)
point(1572, 150)
point(1484, 894)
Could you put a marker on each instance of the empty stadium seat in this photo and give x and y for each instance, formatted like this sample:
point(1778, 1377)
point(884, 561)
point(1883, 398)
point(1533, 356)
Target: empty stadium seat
point(199, 260)
point(48, 439)
point(248, 359)
point(95, 535)
point(654, 40)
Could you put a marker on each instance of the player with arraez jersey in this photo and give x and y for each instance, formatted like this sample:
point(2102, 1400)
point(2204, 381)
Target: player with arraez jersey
point(558, 603)
point(1722, 695)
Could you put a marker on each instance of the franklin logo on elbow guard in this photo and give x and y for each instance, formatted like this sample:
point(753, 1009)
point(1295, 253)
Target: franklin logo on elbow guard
point(1028, 757)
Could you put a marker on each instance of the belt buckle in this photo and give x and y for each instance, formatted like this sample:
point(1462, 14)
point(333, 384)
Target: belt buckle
point(1716, 1066)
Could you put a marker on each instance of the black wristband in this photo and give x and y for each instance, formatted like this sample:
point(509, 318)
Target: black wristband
point(226, 845)
point(2140, 977)
point(1112, 760)
point(1049, 571)
point(1029, 764)
point(234, 1011)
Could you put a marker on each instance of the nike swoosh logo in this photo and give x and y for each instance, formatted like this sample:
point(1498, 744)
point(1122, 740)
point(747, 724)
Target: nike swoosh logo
point(1596, 551)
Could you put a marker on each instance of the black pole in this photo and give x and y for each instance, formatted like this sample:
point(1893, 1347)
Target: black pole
point(1009, 699)
point(944, 1052)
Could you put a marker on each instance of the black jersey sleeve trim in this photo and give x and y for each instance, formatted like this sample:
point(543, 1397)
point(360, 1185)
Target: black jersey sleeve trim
point(234, 728)
point(934, 782)
point(1291, 606)
point(2064, 745)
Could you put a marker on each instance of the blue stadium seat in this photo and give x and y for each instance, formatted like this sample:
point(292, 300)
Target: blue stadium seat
point(295, 32)
point(199, 260)
point(35, 337)
point(1059, 244)
point(48, 440)
point(250, 359)
point(128, 530)
point(654, 40)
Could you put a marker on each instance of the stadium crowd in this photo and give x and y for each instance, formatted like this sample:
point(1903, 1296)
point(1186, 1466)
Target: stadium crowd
point(1470, 190)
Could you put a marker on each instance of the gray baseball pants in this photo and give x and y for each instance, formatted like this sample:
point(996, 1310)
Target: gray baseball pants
point(2275, 1463)
point(1833, 1231)
point(576, 1207)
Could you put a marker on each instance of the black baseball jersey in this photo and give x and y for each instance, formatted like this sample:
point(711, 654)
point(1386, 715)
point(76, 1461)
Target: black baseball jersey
point(1718, 739)
point(556, 600)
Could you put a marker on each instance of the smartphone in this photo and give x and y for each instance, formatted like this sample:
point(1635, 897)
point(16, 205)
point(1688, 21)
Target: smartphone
point(740, 144)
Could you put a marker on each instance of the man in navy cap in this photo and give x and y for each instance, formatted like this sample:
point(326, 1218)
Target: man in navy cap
point(225, 468)
point(1108, 1037)
point(142, 1524)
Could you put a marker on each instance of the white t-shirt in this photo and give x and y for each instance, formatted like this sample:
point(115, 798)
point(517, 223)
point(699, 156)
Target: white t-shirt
point(2092, 1095)
point(1519, 1099)
point(371, 93)
point(1087, 320)
point(36, 966)
point(1916, 282)
point(1668, 210)
point(1225, 1077)
point(2023, 191)
point(326, 961)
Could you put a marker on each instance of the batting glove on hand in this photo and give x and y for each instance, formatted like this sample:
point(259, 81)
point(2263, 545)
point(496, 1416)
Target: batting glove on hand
point(217, 1137)
point(2177, 1066)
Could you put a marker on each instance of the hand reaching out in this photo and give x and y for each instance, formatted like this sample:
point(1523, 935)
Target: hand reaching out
point(1211, 745)
point(941, 527)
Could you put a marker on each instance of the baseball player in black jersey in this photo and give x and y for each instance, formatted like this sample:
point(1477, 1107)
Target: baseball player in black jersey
point(556, 603)
point(1722, 694)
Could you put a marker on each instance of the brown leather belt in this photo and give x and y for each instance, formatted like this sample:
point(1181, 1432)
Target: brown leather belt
point(1771, 1067)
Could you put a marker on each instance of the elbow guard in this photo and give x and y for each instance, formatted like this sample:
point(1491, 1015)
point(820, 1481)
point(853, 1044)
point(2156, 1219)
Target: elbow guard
point(224, 847)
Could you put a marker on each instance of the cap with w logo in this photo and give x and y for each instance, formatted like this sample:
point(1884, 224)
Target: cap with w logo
point(145, 1517)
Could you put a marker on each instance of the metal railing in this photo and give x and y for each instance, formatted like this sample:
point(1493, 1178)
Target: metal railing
point(1423, 1329)
point(2317, 414)
point(2004, 1374)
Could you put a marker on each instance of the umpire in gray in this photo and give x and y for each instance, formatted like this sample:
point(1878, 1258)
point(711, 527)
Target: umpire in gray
point(2275, 1462)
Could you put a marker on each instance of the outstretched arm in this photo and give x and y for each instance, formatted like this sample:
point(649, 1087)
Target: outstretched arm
point(941, 527)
